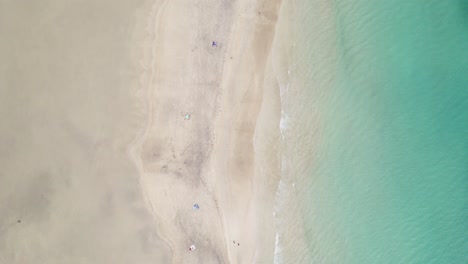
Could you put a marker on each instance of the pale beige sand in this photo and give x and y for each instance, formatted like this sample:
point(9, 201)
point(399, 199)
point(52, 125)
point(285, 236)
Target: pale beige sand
point(247, 195)
point(67, 114)
point(97, 159)
point(209, 159)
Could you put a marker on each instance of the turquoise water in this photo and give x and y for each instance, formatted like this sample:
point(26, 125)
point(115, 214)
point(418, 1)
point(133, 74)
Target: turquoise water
point(379, 100)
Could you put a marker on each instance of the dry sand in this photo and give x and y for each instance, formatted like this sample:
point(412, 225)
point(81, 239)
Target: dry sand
point(98, 160)
point(208, 159)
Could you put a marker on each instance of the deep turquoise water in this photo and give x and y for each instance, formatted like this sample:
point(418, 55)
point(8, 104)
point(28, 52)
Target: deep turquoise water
point(380, 104)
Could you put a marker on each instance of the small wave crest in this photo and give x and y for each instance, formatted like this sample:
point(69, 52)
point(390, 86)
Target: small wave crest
point(278, 257)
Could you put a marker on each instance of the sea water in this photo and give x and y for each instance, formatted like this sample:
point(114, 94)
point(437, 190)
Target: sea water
point(375, 133)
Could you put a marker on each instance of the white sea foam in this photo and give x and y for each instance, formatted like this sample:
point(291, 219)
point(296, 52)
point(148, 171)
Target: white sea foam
point(278, 205)
point(278, 258)
point(284, 123)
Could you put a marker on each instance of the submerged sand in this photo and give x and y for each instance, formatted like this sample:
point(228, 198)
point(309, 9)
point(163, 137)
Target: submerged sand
point(118, 120)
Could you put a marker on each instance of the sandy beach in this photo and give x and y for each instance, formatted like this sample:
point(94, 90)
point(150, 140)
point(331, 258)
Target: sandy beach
point(233, 132)
point(204, 90)
point(117, 121)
